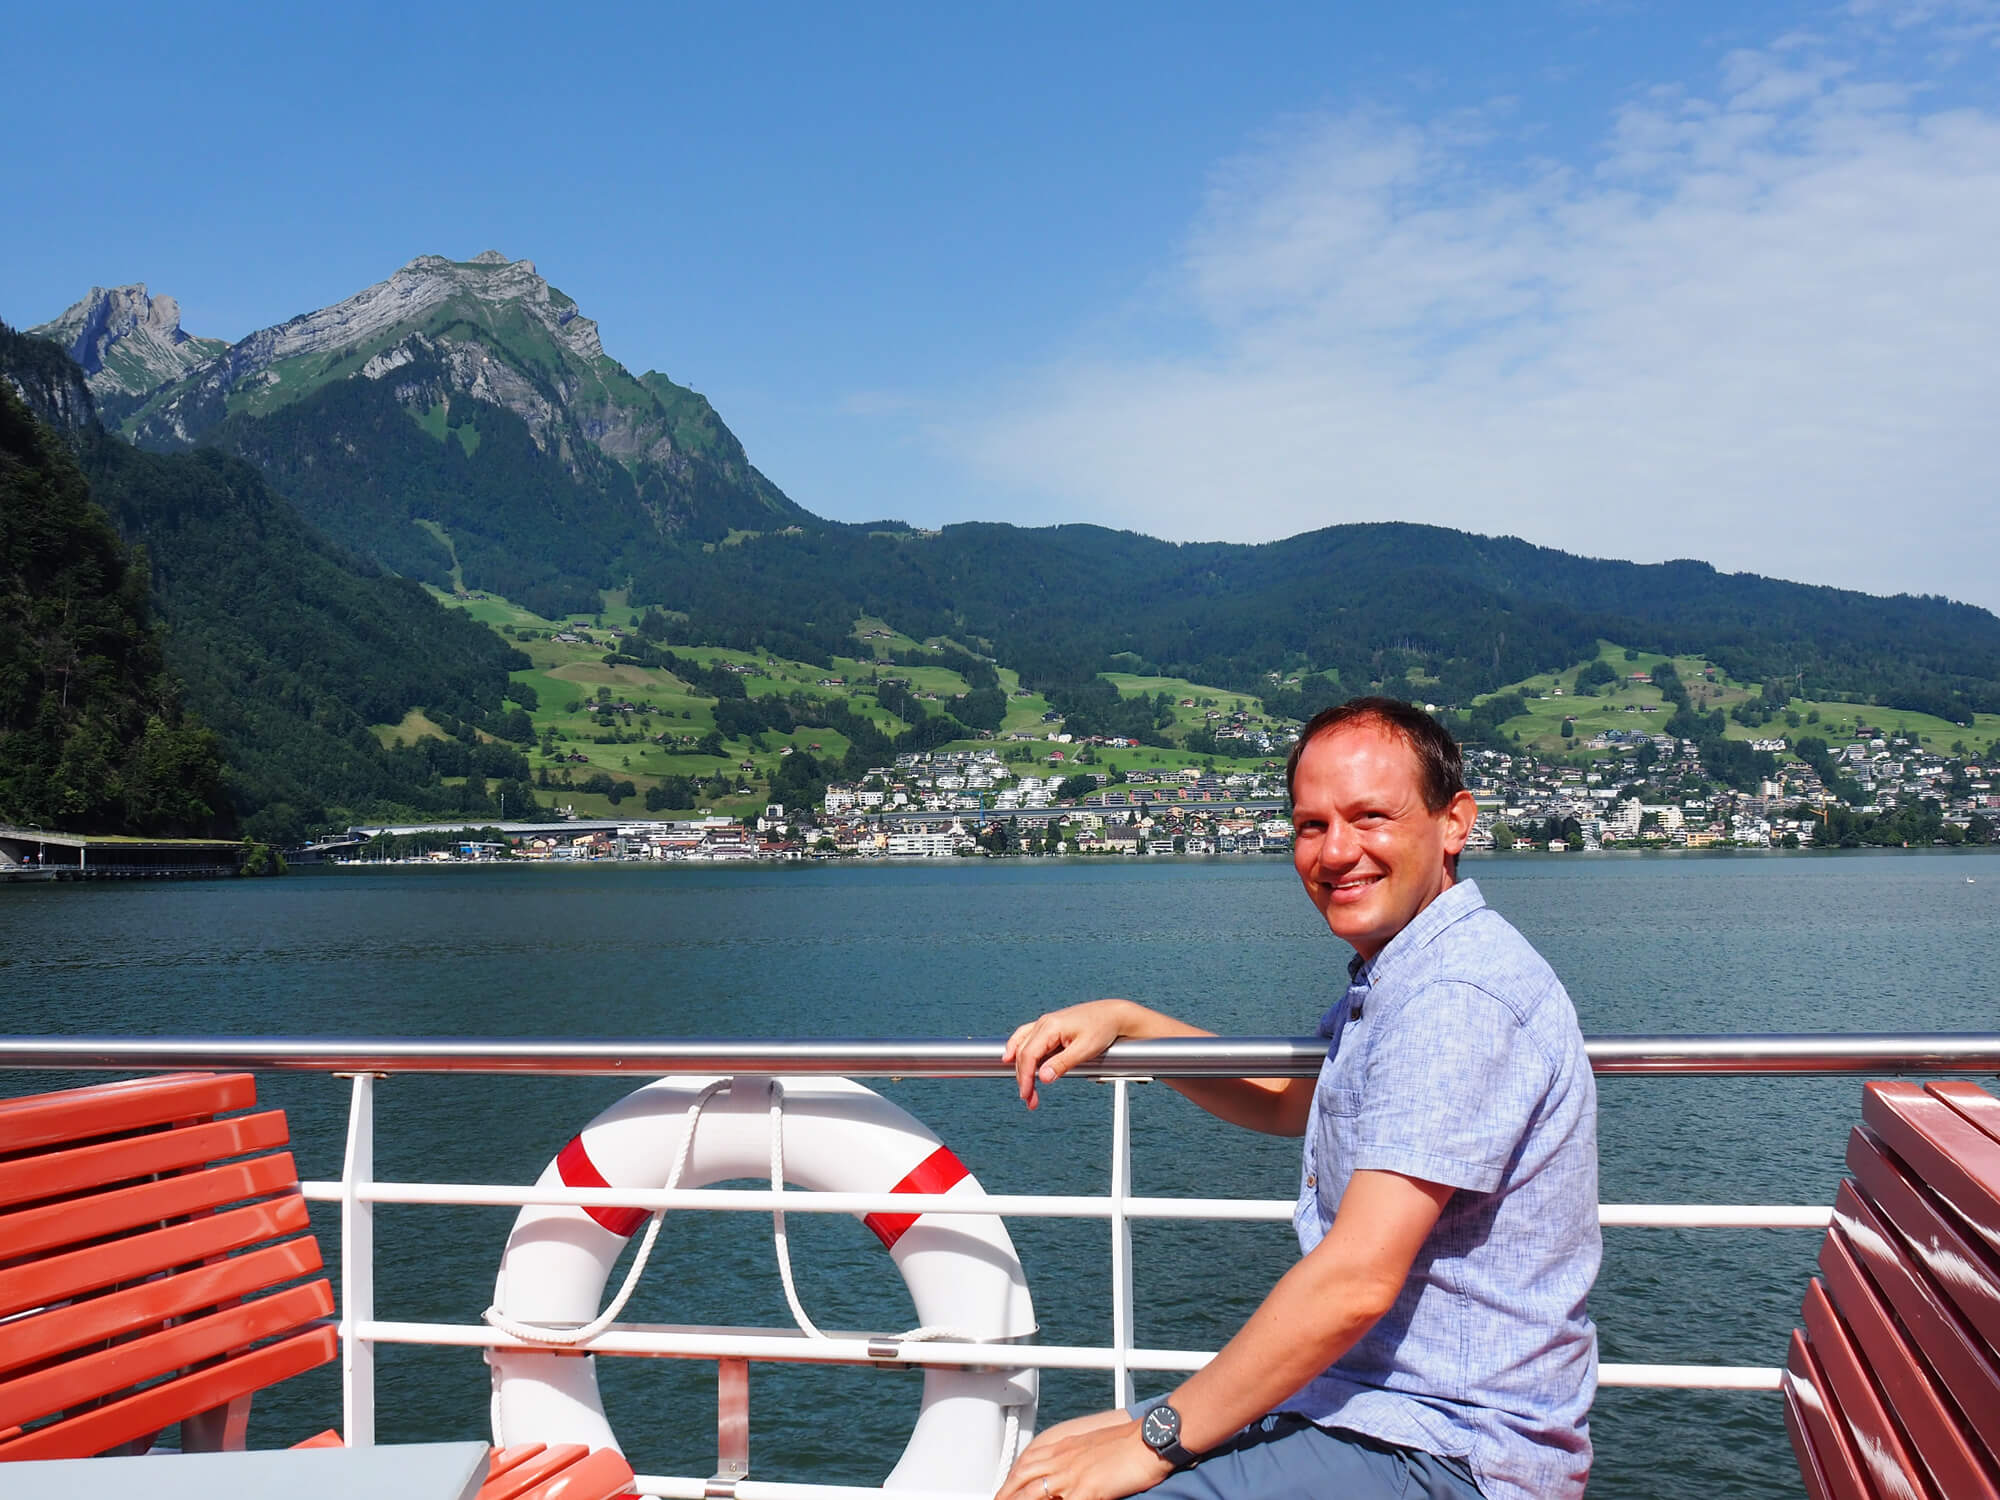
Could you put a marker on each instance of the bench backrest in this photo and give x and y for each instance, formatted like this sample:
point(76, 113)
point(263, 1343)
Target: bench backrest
point(146, 1246)
point(1892, 1389)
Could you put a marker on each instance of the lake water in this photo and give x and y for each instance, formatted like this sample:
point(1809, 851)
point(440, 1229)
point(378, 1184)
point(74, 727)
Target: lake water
point(1704, 943)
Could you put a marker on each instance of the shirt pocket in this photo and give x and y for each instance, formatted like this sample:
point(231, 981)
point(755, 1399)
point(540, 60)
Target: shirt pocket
point(1338, 1103)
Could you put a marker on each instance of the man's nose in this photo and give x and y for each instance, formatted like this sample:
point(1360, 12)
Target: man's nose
point(1339, 848)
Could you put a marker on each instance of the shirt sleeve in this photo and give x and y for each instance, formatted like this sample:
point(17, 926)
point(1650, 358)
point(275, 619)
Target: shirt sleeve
point(1453, 1082)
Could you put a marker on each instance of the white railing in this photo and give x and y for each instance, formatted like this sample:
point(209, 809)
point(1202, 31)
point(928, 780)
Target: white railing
point(357, 1191)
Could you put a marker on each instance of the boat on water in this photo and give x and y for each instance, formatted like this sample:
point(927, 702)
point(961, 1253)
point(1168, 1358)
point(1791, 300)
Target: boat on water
point(990, 1368)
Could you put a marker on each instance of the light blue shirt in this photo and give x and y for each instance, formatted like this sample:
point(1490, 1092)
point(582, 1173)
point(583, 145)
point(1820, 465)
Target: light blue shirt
point(1455, 1057)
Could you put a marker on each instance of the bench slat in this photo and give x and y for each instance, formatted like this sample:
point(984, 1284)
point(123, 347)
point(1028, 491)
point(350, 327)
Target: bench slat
point(1958, 1355)
point(596, 1475)
point(1815, 1479)
point(50, 1227)
point(83, 1169)
point(1956, 1263)
point(32, 1339)
point(1829, 1447)
point(96, 1110)
point(520, 1477)
point(1887, 1461)
point(109, 1372)
point(1903, 1381)
point(159, 1405)
point(1956, 1160)
point(56, 1278)
point(1970, 1100)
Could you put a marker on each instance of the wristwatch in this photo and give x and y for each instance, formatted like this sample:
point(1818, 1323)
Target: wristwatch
point(1161, 1430)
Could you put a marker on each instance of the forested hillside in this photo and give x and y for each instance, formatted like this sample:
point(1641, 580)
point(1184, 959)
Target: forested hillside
point(92, 736)
point(282, 642)
point(1385, 605)
point(291, 648)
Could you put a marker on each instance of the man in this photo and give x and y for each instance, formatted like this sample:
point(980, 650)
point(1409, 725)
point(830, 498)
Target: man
point(1433, 1339)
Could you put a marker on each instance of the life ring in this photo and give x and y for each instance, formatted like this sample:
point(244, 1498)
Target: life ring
point(961, 1269)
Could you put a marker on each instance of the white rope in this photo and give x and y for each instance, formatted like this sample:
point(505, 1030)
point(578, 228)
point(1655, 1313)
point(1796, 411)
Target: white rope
point(778, 1240)
point(1010, 1438)
point(535, 1333)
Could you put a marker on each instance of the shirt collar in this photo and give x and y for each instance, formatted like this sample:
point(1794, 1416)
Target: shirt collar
point(1461, 900)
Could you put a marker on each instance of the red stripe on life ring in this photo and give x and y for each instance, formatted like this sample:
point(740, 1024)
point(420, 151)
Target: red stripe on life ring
point(937, 1173)
point(577, 1170)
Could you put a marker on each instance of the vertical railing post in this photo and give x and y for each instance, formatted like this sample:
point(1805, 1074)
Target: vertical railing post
point(732, 1426)
point(357, 1268)
point(1121, 1243)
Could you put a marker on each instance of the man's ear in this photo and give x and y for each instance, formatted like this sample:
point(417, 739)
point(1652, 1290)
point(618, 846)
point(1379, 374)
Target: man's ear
point(1459, 815)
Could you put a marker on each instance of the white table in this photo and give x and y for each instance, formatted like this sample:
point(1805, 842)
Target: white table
point(392, 1471)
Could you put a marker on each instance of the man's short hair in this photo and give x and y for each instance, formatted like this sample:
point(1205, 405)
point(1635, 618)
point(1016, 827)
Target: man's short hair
point(1440, 767)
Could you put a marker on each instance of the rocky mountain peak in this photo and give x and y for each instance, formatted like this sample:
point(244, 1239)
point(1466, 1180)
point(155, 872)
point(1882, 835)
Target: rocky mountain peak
point(126, 340)
point(487, 283)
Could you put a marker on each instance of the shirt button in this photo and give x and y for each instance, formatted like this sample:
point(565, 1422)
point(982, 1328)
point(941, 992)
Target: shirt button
point(1312, 1179)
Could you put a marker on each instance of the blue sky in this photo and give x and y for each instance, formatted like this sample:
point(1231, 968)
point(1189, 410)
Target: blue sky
point(1638, 280)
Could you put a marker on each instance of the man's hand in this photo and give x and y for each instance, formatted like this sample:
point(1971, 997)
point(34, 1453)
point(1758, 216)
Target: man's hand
point(1049, 1046)
point(1099, 1457)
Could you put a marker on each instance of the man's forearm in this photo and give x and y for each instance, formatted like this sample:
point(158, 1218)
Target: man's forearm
point(1050, 1045)
point(1299, 1329)
point(1275, 1106)
point(1319, 1309)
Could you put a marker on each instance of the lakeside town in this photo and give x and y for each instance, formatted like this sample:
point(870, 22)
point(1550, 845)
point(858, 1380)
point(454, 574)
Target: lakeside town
point(1634, 791)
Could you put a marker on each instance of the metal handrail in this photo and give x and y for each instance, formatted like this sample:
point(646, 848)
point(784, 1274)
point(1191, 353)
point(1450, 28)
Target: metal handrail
point(1175, 1057)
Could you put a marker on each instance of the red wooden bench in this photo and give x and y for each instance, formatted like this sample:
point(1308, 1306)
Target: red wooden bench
point(151, 1256)
point(1892, 1389)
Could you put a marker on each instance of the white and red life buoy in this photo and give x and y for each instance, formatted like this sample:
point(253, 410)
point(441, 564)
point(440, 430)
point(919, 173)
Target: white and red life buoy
point(961, 1269)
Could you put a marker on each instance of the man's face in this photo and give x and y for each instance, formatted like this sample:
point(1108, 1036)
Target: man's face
point(1370, 853)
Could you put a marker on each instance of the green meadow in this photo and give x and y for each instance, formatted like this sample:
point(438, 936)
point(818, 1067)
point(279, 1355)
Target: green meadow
point(573, 688)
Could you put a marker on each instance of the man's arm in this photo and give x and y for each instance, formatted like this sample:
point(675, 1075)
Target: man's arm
point(1317, 1312)
point(1046, 1048)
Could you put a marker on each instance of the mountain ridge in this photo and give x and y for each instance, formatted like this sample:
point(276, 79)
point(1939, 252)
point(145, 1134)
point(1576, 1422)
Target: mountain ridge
point(472, 399)
point(601, 468)
point(127, 341)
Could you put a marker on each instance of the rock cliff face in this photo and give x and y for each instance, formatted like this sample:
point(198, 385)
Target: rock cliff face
point(467, 398)
point(127, 341)
point(496, 330)
point(48, 380)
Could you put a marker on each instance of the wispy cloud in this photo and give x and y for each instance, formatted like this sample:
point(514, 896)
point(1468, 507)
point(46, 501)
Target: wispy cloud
point(1759, 323)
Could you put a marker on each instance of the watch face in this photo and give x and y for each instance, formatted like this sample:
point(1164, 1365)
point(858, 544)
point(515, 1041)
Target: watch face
point(1161, 1427)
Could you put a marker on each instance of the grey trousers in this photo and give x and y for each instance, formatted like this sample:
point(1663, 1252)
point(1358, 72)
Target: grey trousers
point(1285, 1454)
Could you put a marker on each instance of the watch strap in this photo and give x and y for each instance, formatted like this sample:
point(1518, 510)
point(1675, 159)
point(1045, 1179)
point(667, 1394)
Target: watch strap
point(1172, 1449)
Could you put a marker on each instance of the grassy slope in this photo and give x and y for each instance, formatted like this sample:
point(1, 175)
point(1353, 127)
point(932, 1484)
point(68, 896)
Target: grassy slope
point(563, 674)
point(416, 725)
point(1623, 706)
